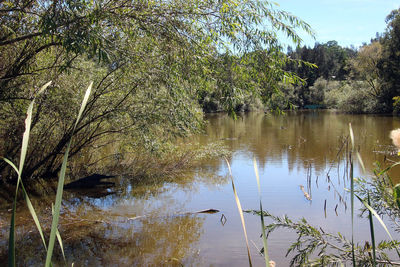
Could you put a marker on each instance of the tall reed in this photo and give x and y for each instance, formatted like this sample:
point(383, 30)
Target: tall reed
point(352, 194)
point(366, 203)
point(60, 187)
point(239, 206)
point(264, 236)
point(24, 149)
point(57, 207)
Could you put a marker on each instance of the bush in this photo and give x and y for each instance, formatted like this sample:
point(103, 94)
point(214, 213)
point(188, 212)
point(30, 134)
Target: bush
point(351, 97)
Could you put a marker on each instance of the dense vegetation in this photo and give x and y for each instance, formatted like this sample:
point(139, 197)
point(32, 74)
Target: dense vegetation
point(155, 65)
point(357, 81)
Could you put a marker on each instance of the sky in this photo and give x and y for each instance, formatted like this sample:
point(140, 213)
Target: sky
point(349, 22)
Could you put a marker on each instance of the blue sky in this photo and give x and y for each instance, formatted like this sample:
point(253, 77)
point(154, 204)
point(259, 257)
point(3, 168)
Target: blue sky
point(350, 22)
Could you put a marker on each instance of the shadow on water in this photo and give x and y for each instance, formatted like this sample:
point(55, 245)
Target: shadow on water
point(144, 222)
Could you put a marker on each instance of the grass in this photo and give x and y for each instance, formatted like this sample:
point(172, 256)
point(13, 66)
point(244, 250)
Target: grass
point(352, 194)
point(54, 234)
point(239, 206)
point(261, 214)
point(264, 236)
point(334, 249)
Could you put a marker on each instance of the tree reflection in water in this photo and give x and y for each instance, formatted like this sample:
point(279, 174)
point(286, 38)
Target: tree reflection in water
point(288, 149)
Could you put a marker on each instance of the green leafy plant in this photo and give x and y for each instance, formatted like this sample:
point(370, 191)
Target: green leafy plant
point(264, 237)
point(315, 247)
point(239, 206)
point(56, 209)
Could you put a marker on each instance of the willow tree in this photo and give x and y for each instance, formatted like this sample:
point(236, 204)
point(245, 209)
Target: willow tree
point(150, 61)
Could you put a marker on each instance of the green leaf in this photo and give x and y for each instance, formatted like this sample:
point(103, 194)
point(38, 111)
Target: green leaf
point(33, 214)
point(240, 211)
point(372, 231)
point(12, 165)
point(60, 187)
point(379, 220)
point(24, 148)
point(264, 236)
point(352, 196)
point(59, 239)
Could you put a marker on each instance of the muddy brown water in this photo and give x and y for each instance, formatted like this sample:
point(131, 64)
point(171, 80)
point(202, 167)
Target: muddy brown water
point(156, 224)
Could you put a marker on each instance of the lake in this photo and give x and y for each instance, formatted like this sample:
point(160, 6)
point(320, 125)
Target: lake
point(156, 224)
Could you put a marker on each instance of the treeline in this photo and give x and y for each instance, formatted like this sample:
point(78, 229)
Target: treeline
point(358, 81)
point(156, 65)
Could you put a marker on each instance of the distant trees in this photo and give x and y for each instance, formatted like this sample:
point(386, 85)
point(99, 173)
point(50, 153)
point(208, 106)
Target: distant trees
point(363, 81)
point(331, 59)
point(389, 63)
point(331, 62)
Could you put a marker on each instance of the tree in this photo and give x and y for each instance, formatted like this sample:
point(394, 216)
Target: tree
point(149, 60)
point(365, 66)
point(329, 61)
point(389, 65)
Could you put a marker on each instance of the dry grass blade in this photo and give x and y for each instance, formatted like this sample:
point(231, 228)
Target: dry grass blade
point(361, 161)
point(29, 204)
point(240, 211)
point(266, 256)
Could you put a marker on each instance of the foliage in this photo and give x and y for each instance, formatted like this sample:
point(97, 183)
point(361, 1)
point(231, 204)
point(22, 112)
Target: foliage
point(315, 247)
point(155, 64)
point(365, 66)
point(330, 62)
point(316, 93)
point(57, 207)
point(351, 97)
point(331, 59)
point(383, 193)
point(332, 249)
point(389, 63)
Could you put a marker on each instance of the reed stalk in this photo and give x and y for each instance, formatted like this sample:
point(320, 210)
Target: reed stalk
point(60, 187)
point(239, 206)
point(264, 236)
point(372, 231)
point(56, 209)
point(24, 149)
point(352, 194)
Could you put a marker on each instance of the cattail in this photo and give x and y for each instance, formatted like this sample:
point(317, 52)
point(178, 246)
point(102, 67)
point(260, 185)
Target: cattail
point(395, 136)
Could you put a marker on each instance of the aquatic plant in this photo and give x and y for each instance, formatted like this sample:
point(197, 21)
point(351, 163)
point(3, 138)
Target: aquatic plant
point(315, 247)
point(264, 250)
point(239, 206)
point(331, 249)
point(57, 206)
point(264, 236)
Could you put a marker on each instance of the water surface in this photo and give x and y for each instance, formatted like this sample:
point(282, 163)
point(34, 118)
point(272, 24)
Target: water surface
point(154, 224)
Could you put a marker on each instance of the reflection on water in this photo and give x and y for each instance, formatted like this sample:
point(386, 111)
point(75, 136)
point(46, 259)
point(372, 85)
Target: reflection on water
point(151, 225)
